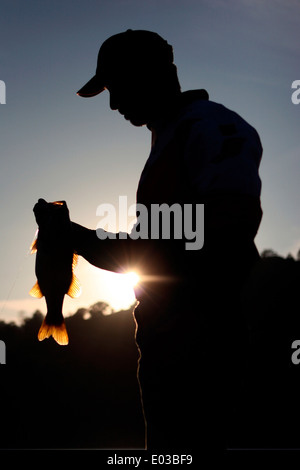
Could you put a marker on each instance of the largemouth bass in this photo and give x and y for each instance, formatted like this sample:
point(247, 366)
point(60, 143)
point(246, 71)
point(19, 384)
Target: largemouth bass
point(55, 261)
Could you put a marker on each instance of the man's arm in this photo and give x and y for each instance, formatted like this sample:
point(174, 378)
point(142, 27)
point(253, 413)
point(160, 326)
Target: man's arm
point(146, 256)
point(222, 158)
point(115, 255)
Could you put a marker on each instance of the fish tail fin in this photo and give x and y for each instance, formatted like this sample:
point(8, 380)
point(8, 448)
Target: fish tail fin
point(58, 332)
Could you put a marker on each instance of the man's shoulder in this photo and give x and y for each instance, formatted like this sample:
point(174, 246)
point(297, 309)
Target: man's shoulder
point(192, 104)
point(195, 104)
point(200, 113)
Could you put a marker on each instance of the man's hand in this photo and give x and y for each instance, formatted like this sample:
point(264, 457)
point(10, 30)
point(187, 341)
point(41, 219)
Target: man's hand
point(40, 211)
point(51, 213)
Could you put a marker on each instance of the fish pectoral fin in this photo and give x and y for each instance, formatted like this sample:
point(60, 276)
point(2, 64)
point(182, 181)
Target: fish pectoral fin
point(58, 332)
point(75, 288)
point(36, 291)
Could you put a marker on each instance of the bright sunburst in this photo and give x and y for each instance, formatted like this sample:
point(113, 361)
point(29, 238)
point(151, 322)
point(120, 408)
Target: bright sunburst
point(117, 289)
point(132, 278)
point(121, 288)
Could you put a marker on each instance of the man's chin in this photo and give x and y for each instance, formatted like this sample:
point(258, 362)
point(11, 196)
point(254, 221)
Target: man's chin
point(135, 120)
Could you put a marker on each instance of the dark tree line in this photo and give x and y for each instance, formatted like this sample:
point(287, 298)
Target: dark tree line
point(86, 395)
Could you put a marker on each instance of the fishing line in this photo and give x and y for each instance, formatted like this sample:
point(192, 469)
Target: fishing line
point(18, 273)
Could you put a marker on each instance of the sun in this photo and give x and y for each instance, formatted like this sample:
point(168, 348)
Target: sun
point(131, 278)
point(117, 289)
point(121, 287)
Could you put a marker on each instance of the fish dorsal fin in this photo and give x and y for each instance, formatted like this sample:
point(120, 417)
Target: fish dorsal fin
point(75, 288)
point(36, 291)
point(75, 260)
point(33, 246)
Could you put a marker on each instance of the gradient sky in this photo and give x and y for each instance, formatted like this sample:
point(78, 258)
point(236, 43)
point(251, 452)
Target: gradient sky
point(56, 145)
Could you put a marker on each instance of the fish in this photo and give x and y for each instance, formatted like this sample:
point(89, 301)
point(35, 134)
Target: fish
point(54, 266)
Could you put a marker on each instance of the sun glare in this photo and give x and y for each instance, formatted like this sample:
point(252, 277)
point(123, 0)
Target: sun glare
point(121, 287)
point(132, 278)
point(117, 289)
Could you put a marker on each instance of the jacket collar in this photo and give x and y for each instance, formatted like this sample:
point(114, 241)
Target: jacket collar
point(186, 98)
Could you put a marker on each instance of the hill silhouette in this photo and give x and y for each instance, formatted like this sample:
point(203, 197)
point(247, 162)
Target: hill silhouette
point(86, 395)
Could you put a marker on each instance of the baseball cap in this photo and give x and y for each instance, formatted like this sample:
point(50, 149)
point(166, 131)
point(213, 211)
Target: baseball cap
point(132, 48)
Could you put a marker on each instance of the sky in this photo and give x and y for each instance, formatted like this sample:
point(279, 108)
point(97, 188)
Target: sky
point(58, 146)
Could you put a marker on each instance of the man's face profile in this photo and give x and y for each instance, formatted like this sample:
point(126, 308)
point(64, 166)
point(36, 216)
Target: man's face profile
point(134, 94)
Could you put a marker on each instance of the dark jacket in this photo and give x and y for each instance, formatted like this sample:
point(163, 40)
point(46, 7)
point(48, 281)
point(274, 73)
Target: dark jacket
point(202, 154)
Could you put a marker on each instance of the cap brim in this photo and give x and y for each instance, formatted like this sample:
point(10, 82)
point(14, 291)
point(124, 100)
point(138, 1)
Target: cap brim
point(92, 88)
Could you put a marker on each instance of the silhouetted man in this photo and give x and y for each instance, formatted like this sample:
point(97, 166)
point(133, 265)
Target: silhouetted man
point(190, 329)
